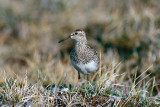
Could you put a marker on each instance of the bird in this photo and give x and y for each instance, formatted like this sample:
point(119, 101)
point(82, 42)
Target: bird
point(83, 57)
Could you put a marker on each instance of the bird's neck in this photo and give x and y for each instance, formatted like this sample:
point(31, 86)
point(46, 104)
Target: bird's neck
point(80, 45)
point(81, 42)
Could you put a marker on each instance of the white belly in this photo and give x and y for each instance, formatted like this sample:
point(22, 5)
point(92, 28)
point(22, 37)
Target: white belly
point(88, 68)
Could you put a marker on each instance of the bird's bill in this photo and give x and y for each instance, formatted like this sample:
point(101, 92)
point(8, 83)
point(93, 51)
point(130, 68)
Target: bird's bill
point(64, 39)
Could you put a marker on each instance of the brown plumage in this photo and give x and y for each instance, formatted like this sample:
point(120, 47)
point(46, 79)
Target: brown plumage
point(83, 53)
point(83, 57)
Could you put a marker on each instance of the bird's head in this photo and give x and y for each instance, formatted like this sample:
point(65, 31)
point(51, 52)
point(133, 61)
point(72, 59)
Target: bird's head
point(78, 35)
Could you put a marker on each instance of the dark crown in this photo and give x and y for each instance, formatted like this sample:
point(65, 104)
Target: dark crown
point(78, 30)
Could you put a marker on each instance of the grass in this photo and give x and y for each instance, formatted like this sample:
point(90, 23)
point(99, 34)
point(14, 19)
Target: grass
point(36, 70)
point(105, 91)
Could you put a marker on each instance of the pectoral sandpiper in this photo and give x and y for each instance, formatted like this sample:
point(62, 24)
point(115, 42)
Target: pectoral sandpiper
point(83, 58)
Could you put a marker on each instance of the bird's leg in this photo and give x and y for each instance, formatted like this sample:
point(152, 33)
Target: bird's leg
point(87, 77)
point(79, 76)
point(78, 79)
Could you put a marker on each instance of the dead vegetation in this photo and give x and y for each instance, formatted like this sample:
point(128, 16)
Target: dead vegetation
point(127, 34)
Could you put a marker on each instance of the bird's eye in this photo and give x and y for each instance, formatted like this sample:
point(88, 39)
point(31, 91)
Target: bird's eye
point(76, 33)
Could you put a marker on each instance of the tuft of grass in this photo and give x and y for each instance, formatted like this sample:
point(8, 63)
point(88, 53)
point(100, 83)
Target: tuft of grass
point(105, 91)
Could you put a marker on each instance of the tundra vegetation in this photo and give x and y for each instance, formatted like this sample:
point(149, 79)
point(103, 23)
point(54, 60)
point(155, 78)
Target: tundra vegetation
point(36, 71)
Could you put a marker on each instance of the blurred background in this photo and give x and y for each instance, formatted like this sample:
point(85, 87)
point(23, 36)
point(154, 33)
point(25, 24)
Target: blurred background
point(126, 32)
